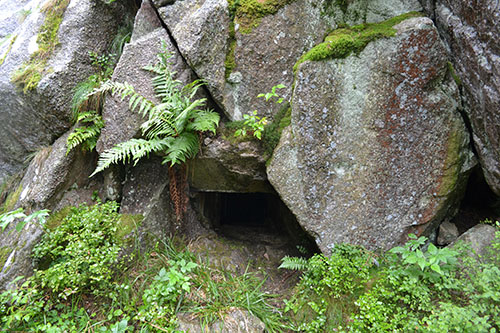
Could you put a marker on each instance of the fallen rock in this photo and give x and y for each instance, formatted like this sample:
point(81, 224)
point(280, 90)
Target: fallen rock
point(448, 233)
point(479, 238)
point(376, 148)
point(235, 321)
point(471, 33)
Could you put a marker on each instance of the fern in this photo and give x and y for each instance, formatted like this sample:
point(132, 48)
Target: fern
point(85, 135)
point(171, 126)
point(294, 263)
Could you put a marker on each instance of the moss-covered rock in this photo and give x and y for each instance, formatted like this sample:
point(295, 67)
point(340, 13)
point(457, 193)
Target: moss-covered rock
point(344, 41)
point(377, 147)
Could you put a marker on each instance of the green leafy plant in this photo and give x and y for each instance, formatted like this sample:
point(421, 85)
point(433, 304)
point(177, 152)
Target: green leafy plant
point(86, 107)
point(255, 124)
point(325, 282)
point(39, 217)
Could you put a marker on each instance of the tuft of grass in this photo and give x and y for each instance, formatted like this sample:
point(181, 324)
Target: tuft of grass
point(12, 40)
point(30, 73)
point(344, 41)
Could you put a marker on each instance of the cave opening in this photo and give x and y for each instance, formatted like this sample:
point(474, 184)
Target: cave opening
point(478, 204)
point(254, 217)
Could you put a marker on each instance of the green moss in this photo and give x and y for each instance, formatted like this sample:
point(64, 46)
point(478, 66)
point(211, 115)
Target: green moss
point(127, 224)
point(56, 219)
point(230, 62)
point(11, 200)
point(453, 74)
point(30, 73)
point(4, 255)
point(273, 130)
point(228, 129)
point(248, 13)
point(345, 41)
point(12, 40)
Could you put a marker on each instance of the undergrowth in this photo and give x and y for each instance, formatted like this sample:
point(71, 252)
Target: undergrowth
point(82, 283)
point(415, 287)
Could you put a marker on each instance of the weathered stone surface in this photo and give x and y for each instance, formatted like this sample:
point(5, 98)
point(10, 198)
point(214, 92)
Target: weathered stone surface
point(51, 173)
point(146, 192)
point(120, 123)
point(479, 238)
point(33, 120)
point(222, 166)
point(146, 21)
point(448, 232)
point(201, 30)
point(471, 31)
point(377, 148)
point(235, 321)
point(265, 56)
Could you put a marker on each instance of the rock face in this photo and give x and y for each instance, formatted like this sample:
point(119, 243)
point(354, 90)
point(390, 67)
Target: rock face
point(376, 148)
point(241, 60)
point(35, 119)
point(479, 238)
point(471, 32)
point(225, 167)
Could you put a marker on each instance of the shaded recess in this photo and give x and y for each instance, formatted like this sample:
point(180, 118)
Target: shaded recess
point(255, 217)
point(479, 203)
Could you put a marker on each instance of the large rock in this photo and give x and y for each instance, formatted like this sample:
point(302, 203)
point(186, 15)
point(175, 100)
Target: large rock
point(120, 123)
point(377, 148)
point(479, 238)
point(262, 56)
point(471, 32)
point(35, 119)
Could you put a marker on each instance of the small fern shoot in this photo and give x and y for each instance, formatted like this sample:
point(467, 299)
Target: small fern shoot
point(86, 135)
point(294, 263)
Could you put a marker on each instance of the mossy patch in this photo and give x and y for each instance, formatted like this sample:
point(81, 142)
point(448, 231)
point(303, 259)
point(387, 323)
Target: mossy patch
point(12, 40)
point(11, 200)
point(56, 219)
point(126, 224)
point(229, 128)
point(30, 73)
point(230, 62)
point(273, 130)
point(248, 13)
point(5, 252)
point(453, 74)
point(345, 41)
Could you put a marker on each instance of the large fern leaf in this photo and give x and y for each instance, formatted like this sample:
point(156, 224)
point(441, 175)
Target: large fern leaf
point(133, 149)
point(184, 146)
point(204, 120)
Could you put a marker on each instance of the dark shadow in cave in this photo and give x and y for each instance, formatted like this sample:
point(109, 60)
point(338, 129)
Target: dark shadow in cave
point(479, 203)
point(254, 217)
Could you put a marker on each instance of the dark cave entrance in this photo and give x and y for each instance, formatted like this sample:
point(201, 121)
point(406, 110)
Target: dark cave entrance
point(479, 203)
point(252, 217)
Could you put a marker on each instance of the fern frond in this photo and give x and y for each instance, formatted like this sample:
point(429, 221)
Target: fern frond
point(184, 146)
point(294, 263)
point(186, 114)
point(133, 149)
point(158, 127)
point(86, 135)
point(81, 95)
point(204, 120)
